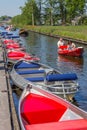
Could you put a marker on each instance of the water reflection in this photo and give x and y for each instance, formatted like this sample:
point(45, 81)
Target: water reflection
point(70, 63)
point(42, 46)
point(75, 60)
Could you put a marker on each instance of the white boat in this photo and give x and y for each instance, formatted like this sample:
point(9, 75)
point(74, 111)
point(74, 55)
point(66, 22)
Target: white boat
point(25, 72)
point(41, 110)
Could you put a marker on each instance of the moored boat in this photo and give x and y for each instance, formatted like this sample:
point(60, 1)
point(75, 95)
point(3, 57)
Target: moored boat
point(64, 85)
point(6, 41)
point(9, 44)
point(76, 52)
point(39, 109)
point(15, 55)
point(14, 46)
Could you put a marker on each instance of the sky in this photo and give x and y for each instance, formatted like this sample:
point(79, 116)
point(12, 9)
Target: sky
point(11, 7)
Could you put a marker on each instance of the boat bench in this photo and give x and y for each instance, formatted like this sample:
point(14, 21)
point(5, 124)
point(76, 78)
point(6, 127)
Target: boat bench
point(13, 36)
point(30, 72)
point(54, 77)
point(26, 65)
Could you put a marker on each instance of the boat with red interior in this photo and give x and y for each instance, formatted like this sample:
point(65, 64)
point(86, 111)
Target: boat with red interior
point(14, 55)
point(6, 41)
point(12, 44)
point(41, 110)
point(15, 46)
point(75, 52)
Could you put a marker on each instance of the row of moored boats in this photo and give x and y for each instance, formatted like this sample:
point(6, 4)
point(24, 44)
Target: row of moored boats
point(44, 101)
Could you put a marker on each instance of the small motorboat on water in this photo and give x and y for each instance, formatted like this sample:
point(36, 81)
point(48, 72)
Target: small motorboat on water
point(15, 55)
point(41, 110)
point(25, 72)
point(76, 52)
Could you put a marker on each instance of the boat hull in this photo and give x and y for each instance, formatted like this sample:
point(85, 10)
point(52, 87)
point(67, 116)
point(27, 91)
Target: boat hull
point(63, 113)
point(43, 76)
point(77, 52)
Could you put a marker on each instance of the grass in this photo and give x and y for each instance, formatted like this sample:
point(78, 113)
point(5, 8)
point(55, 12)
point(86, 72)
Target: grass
point(75, 32)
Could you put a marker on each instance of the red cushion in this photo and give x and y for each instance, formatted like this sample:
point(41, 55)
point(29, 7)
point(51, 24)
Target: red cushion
point(40, 109)
point(63, 47)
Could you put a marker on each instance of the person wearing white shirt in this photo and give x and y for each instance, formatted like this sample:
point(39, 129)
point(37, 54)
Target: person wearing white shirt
point(60, 42)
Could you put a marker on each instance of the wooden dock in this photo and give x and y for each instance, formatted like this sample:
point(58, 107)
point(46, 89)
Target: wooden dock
point(8, 116)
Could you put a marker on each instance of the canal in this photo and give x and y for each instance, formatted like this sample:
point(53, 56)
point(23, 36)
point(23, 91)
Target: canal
point(45, 47)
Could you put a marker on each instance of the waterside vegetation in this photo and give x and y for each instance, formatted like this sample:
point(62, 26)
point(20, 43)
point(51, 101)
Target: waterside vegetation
point(60, 17)
point(74, 32)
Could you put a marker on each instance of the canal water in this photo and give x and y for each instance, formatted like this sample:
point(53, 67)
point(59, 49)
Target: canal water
point(45, 47)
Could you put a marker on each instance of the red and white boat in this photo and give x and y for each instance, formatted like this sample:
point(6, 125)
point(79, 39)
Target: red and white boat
point(76, 52)
point(15, 46)
point(6, 41)
point(14, 55)
point(41, 110)
point(11, 44)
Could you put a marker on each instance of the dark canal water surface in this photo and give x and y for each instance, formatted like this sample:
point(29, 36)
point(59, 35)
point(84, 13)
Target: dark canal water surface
point(45, 47)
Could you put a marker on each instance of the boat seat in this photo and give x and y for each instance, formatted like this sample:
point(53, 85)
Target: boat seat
point(27, 65)
point(35, 79)
point(39, 109)
point(30, 72)
point(13, 36)
point(61, 77)
point(54, 77)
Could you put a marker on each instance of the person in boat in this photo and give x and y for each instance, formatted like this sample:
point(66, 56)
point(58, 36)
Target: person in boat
point(71, 45)
point(60, 43)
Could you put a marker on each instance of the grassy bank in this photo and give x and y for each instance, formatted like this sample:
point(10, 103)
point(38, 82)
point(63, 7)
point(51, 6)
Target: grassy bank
point(75, 32)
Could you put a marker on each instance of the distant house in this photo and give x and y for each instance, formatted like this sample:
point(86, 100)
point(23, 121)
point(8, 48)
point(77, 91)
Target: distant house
point(75, 21)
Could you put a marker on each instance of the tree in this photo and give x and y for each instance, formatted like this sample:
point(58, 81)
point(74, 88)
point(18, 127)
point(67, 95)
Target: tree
point(49, 11)
point(74, 8)
point(30, 12)
point(40, 4)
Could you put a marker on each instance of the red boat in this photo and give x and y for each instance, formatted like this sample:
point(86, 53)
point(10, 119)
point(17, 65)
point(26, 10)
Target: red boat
point(14, 46)
point(76, 52)
point(6, 41)
point(11, 44)
point(41, 110)
point(13, 56)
